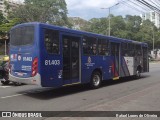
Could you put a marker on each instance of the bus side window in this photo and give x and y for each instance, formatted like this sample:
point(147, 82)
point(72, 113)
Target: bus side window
point(130, 50)
point(51, 41)
point(89, 45)
point(124, 47)
point(103, 47)
point(138, 50)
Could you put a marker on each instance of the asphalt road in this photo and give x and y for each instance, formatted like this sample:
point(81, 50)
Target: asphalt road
point(125, 94)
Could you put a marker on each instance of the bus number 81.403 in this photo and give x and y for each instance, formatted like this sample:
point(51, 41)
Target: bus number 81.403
point(52, 62)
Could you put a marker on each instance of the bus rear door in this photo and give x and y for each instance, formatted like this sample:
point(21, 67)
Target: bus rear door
point(51, 59)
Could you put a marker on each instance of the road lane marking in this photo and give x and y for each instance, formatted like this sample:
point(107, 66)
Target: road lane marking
point(4, 86)
point(13, 96)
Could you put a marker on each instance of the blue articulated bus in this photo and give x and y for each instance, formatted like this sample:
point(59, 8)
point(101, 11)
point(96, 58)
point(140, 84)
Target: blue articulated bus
point(53, 56)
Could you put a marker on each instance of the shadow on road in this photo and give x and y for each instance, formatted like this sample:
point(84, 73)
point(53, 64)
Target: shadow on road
point(51, 93)
point(122, 80)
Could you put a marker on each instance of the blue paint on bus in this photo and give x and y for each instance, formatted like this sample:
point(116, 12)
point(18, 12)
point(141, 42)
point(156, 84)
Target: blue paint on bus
point(36, 60)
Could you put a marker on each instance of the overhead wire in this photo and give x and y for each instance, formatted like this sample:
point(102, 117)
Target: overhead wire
point(126, 3)
point(149, 5)
point(142, 5)
point(151, 1)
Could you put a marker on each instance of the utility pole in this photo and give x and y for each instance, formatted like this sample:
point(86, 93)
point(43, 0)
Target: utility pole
point(109, 27)
point(153, 39)
point(109, 18)
point(5, 47)
point(153, 42)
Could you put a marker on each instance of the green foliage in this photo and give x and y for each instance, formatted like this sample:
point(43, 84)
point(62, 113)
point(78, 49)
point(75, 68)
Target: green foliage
point(2, 19)
point(117, 24)
point(47, 11)
point(8, 25)
point(80, 23)
point(5, 27)
point(130, 27)
point(99, 25)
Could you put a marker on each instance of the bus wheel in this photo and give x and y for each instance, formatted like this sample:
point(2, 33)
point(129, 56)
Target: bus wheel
point(96, 80)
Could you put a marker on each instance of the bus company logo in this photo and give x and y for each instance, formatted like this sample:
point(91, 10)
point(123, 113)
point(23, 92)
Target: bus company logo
point(89, 62)
point(13, 57)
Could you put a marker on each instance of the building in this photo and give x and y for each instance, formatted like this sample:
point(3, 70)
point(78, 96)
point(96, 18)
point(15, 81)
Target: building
point(12, 4)
point(153, 17)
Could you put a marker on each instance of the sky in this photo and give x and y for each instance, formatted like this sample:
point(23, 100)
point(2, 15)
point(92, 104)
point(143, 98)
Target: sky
point(88, 9)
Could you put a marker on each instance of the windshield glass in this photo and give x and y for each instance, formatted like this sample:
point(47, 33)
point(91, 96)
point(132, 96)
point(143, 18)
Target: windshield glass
point(22, 36)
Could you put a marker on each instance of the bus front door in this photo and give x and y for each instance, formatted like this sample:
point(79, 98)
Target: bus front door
point(115, 53)
point(71, 60)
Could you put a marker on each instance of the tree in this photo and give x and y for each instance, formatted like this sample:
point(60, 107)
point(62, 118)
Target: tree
point(78, 23)
point(130, 27)
point(147, 30)
point(2, 21)
point(47, 11)
point(2, 18)
point(99, 25)
point(133, 23)
point(5, 27)
point(117, 24)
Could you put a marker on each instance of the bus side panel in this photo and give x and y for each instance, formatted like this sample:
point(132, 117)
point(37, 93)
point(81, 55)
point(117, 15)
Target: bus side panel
point(126, 66)
point(105, 62)
point(88, 65)
point(51, 66)
point(51, 75)
point(91, 63)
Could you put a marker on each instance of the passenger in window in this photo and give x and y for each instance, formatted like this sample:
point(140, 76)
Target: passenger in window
point(101, 52)
point(139, 53)
point(99, 49)
point(106, 53)
point(54, 48)
point(94, 49)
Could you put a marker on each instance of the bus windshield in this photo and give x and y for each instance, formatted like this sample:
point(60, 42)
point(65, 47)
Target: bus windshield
point(22, 36)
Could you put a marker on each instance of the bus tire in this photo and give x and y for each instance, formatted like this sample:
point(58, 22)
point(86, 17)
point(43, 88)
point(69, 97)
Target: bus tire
point(96, 80)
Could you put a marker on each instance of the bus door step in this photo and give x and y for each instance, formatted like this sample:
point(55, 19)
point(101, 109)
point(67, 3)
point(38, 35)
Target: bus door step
point(116, 78)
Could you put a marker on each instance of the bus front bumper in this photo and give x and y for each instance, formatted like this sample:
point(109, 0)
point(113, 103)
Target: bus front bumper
point(36, 80)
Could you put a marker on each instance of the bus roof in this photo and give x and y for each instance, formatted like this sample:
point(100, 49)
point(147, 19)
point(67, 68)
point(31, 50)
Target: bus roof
point(64, 29)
